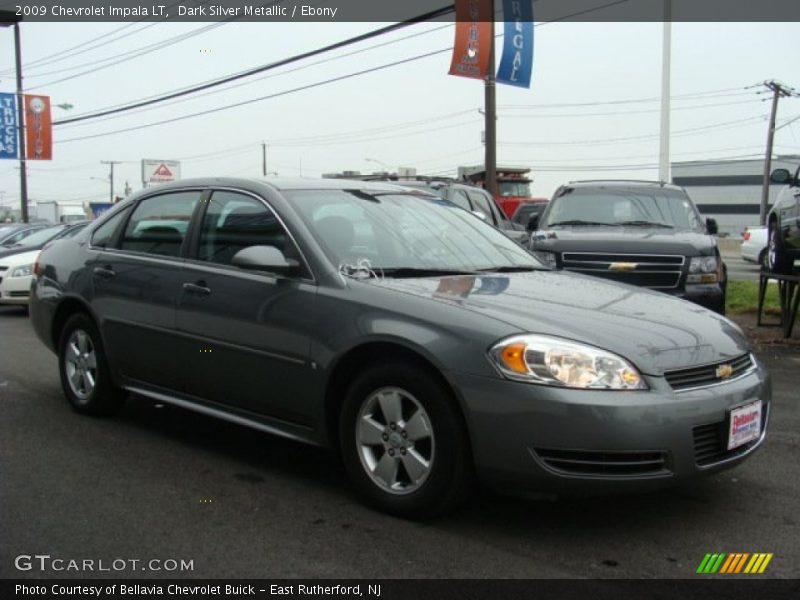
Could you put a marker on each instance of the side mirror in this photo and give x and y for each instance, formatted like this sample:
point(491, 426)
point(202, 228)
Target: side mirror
point(780, 176)
point(712, 227)
point(533, 223)
point(264, 258)
point(480, 214)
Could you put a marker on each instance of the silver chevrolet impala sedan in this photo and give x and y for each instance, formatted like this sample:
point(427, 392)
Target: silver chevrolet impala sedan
point(413, 338)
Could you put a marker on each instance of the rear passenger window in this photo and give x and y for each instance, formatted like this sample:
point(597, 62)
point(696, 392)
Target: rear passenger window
point(158, 225)
point(103, 235)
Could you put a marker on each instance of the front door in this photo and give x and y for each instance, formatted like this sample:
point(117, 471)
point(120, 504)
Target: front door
point(246, 333)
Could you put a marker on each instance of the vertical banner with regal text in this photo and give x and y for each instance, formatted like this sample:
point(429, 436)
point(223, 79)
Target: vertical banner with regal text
point(9, 146)
point(473, 38)
point(38, 128)
point(516, 63)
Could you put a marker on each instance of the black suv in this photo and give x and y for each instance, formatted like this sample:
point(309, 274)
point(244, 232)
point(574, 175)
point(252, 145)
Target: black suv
point(640, 232)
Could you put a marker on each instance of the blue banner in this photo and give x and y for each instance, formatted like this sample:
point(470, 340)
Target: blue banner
point(9, 145)
point(517, 60)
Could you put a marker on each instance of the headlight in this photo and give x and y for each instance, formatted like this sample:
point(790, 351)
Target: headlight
point(23, 271)
point(547, 258)
point(554, 361)
point(703, 269)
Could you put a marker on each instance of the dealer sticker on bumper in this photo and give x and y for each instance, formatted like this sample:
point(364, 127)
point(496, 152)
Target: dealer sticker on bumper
point(745, 424)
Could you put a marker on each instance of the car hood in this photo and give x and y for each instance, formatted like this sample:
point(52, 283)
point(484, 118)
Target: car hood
point(655, 331)
point(23, 258)
point(634, 240)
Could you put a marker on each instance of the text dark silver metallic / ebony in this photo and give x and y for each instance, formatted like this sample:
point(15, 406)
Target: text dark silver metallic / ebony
point(415, 339)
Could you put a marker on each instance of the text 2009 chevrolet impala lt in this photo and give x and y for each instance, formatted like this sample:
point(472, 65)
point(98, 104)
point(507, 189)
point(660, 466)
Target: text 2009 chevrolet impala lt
point(400, 329)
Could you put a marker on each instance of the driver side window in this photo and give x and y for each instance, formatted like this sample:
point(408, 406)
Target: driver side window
point(234, 221)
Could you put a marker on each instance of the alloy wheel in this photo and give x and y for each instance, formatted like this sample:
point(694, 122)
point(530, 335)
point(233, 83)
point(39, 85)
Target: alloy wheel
point(395, 440)
point(80, 364)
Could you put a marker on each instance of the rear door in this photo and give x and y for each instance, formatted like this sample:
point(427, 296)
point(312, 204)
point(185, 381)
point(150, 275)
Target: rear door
point(135, 279)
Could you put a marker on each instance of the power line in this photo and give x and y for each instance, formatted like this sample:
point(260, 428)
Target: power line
point(126, 56)
point(253, 100)
point(262, 68)
point(270, 75)
point(628, 112)
point(420, 18)
point(691, 131)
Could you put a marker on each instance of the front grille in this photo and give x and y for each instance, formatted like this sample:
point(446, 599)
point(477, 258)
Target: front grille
point(711, 442)
point(18, 294)
point(693, 377)
point(610, 464)
point(657, 271)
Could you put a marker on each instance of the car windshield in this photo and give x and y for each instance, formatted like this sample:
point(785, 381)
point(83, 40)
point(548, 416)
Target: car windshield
point(514, 188)
point(405, 234)
point(660, 207)
point(41, 237)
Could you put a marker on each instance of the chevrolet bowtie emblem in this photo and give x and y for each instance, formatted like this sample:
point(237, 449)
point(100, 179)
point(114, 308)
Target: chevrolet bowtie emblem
point(622, 266)
point(724, 371)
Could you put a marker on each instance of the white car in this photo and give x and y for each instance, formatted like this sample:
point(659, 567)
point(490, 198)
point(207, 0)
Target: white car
point(16, 273)
point(754, 245)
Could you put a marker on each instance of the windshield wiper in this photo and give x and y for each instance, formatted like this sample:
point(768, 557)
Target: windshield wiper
point(646, 224)
point(579, 222)
point(420, 272)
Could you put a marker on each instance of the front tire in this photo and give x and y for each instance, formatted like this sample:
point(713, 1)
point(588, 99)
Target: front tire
point(85, 377)
point(777, 259)
point(403, 441)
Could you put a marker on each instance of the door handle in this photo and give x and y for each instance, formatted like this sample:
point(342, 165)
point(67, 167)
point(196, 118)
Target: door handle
point(105, 273)
point(197, 289)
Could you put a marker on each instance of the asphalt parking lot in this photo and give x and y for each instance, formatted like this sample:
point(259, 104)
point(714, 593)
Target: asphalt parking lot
point(164, 483)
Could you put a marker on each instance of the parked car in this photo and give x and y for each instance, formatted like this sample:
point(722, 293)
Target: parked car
point(639, 232)
point(12, 233)
point(783, 223)
point(16, 273)
point(522, 216)
point(475, 200)
point(37, 240)
point(399, 329)
point(754, 245)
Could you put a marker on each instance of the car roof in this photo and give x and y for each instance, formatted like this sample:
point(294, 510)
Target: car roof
point(284, 184)
point(631, 183)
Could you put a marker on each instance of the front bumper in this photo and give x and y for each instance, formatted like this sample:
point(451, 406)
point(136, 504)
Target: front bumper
point(537, 438)
point(709, 295)
point(15, 290)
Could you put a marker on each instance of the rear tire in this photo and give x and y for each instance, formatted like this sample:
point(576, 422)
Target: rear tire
point(82, 365)
point(403, 441)
point(777, 258)
point(763, 259)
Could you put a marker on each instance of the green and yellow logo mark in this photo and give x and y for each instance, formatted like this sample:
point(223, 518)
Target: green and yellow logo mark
point(741, 562)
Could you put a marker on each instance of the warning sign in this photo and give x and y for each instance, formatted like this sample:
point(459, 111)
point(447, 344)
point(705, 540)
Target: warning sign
point(160, 171)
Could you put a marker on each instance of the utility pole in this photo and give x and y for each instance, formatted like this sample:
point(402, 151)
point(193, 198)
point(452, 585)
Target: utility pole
point(663, 154)
point(111, 164)
point(778, 90)
point(23, 172)
point(264, 159)
point(490, 115)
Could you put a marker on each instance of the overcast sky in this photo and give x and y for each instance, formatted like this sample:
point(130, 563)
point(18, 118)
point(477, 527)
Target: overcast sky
point(593, 83)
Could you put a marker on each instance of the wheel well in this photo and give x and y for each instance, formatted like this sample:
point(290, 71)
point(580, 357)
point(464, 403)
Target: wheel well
point(358, 359)
point(65, 310)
